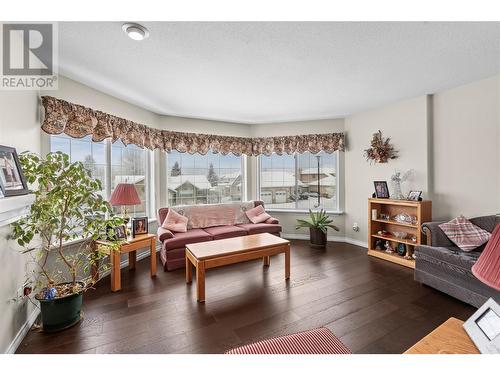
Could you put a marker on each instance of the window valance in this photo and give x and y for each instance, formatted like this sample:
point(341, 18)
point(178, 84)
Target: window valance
point(78, 121)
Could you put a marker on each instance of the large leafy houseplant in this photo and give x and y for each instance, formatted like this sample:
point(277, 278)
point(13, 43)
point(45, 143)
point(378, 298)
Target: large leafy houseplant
point(318, 227)
point(67, 207)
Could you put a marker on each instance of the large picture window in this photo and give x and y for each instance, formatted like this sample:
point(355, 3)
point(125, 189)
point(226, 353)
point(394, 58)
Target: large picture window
point(203, 179)
point(300, 181)
point(124, 164)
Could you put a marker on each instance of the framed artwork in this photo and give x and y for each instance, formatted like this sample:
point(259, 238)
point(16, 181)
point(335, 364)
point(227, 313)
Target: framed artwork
point(414, 195)
point(139, 225)
point(483, 327)
point(381, 189)
point(12, 181)
point(119, 233)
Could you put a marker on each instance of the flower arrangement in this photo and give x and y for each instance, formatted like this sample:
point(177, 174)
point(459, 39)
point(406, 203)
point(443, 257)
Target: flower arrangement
point(381, 150)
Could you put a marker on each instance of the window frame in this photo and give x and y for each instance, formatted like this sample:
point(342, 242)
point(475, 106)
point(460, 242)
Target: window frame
point(336, 211)
point(149, 186)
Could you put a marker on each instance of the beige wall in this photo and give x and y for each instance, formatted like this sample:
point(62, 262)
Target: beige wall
point(18, 128)
point(466, 150)
point(406, 123)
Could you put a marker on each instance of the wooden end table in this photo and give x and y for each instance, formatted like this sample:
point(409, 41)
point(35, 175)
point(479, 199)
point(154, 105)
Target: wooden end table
point(216, 253)
point(449, 338)
point(130, 246)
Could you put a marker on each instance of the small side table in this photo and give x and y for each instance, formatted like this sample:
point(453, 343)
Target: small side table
point(130, 246)
point(448, 338)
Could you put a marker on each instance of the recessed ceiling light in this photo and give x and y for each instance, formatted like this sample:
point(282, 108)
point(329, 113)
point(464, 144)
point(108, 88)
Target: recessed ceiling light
point(135, 31)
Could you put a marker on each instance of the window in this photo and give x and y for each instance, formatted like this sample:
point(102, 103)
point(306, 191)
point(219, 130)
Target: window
point(300, 181)
point(125, 164)
point(202, 179)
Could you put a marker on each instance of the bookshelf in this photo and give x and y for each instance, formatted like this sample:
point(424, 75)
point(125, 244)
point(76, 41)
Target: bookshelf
point(383, 226)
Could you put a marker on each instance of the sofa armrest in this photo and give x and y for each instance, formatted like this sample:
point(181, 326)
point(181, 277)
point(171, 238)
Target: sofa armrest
point(272, 220)
point(435, 235)
point(164, 234)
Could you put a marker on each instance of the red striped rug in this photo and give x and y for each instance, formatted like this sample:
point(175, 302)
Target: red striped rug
point(315, 341)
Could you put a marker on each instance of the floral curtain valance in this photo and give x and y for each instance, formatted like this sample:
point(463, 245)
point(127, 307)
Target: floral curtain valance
point(78, 121)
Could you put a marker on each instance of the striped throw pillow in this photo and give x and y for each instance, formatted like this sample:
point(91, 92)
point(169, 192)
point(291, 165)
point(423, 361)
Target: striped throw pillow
point(464, 234)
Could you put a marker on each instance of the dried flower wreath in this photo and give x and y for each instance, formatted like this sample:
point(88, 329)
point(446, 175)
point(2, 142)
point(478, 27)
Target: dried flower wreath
point(381, 150)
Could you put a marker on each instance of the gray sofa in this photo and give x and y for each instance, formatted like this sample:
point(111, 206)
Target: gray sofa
point(443, 266)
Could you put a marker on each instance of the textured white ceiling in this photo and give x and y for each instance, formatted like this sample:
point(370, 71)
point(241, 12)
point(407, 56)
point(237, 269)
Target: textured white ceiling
point(261, 72)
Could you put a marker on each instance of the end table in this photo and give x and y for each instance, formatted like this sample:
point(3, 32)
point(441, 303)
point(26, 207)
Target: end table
point(130, 246)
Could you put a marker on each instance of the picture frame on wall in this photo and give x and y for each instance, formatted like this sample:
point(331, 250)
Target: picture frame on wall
point(381, 189)
point(139, 225)
point(414, 195)
point(12, 180)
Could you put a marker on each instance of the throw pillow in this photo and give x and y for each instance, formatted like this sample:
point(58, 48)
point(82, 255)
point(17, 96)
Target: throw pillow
point(257, 214)
point(175, 222)
point(464, 234)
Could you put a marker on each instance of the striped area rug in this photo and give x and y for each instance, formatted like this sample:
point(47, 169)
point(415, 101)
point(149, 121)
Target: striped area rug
point(314, 341)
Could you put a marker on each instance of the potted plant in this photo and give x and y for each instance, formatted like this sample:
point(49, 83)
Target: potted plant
point(318, 226)
point(67, 207)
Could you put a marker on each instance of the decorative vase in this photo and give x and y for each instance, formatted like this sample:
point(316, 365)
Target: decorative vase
point(317, 237)
point(61, 312)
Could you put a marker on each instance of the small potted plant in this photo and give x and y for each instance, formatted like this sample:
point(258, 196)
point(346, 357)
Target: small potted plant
point(318, 226)
point(67, 207)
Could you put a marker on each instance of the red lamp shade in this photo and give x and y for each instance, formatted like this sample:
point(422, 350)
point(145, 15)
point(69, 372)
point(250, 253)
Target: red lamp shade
point(487, 267)
point(125, 195)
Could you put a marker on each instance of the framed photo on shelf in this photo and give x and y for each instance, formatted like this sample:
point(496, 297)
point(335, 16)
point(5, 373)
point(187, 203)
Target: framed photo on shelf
point(12, 181)
point(414, 195)
point(139, 225)
point(381, 189)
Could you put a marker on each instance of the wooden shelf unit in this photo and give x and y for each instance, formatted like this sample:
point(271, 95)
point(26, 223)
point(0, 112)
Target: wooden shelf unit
point(422, 210)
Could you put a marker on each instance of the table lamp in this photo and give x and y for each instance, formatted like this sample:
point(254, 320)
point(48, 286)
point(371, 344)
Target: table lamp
point(125, 195)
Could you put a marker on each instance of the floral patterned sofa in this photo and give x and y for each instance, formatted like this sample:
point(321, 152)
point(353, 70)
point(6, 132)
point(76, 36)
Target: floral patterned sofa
point(173, 244)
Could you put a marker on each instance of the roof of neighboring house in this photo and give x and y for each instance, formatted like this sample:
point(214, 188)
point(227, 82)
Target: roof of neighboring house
point(129, 179)
point(278, 179)
point(325, 181)
point(228, 178)
point(324, 170)
point(198, 180)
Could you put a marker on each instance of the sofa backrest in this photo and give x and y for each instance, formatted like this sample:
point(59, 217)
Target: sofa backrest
point(162, 212)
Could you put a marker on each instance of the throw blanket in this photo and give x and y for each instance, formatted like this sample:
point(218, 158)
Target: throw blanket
point(212, 215)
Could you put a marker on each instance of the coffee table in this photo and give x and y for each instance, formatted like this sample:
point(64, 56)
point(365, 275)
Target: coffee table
point(217, 253)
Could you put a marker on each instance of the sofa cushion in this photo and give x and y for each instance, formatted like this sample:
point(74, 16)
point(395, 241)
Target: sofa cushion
point(261, 228)
point(464, 234)
point(272, 220)
point(257, 215)
point(175, 222)
point(182, 239)
point(225, 231)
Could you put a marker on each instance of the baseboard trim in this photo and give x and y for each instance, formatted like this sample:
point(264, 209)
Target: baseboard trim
point(23, 331)
point(300, 236)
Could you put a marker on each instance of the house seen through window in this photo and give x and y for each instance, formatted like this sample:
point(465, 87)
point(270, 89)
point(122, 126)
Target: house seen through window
point(203, 179)
point(300, 181)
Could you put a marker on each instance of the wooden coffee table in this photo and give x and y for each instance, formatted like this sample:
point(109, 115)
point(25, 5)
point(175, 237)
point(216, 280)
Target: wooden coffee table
point(216, 253)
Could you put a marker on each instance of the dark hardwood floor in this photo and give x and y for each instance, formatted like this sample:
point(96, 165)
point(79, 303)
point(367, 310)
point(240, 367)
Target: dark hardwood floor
point(372, 305)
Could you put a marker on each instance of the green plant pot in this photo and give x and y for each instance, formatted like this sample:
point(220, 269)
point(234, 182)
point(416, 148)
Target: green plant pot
point(317, 237)
point(61, 313)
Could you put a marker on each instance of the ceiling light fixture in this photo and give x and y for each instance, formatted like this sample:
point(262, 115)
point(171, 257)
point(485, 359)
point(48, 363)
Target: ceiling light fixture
point(135, 31)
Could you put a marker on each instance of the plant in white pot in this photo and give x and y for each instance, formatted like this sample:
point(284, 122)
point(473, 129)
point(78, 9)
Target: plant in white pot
point(67, 207)
point(318, 227)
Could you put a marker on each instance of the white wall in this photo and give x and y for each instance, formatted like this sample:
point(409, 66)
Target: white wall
point(406, 124)
point(19, 127)
point(466, 150)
